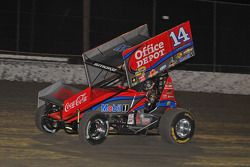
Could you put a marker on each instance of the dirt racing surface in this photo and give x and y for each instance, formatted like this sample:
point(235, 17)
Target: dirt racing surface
point(222, 136)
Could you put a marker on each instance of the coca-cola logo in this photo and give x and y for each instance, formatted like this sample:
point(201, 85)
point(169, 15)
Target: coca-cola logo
point(78, 101)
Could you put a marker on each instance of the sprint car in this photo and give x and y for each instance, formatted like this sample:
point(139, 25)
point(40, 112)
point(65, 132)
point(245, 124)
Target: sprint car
point(128, 90)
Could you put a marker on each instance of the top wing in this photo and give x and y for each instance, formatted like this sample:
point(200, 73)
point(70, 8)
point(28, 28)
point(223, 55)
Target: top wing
point(158, 54)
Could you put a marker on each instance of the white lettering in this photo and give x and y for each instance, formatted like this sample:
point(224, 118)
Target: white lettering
point(105, 67)
point(139, 63)
point(161, 45)
point(78, 101)
point(138, 57)
point(149, 53)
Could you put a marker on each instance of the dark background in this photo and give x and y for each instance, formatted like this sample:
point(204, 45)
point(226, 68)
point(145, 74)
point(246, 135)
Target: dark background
point(221, 29)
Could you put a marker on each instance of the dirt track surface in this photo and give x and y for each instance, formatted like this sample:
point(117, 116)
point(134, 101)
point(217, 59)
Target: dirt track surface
point(222, 136)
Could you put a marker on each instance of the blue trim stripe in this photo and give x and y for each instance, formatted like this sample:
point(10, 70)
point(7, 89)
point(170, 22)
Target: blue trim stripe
point(163, 103)
point(130, 53)
point(95, 107)
point(139, 108)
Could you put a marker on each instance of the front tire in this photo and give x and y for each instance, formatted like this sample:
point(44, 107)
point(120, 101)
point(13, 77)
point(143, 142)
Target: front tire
point(94, 128)
point(44, 123)
point(177, 126)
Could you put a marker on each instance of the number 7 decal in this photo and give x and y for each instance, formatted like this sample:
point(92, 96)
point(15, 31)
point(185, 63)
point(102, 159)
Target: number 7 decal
point(182, 37)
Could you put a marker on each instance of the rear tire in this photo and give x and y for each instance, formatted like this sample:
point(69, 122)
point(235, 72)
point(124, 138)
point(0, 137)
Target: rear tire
point(44, 123)
point(93, 128)
point(177, 126)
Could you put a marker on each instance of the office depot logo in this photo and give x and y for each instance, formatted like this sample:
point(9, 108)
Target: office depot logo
point(147, 55)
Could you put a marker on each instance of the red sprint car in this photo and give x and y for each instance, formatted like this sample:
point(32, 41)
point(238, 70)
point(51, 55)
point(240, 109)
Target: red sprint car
point(129, 90)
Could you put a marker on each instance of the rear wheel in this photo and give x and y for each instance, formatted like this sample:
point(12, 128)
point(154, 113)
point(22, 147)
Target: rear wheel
point(93, 128)
point(45, 123)
point(177, 126)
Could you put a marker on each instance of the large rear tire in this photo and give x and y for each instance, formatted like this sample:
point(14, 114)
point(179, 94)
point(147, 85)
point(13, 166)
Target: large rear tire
point(93, 128)
point(44, 123)
point(177, 126)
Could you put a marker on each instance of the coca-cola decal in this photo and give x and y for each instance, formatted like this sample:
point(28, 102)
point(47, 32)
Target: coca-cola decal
point(78, 101)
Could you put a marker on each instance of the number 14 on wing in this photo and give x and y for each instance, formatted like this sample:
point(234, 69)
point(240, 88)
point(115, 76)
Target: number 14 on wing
point(181, 35)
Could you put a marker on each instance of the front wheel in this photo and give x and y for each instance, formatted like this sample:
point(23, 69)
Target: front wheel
point(177, 126)
point(45, 123)
point(93, 128)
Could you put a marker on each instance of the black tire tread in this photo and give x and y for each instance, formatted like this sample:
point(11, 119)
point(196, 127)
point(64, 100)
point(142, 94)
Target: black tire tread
point(39, 113)
point(83, 124)
point(166, 121)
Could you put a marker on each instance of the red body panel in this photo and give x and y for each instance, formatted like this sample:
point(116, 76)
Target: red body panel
point(139, 104)
point(88, 98)
point(168, 91)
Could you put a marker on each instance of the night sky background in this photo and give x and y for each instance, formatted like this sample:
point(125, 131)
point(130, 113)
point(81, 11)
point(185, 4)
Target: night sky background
point(221, 30)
